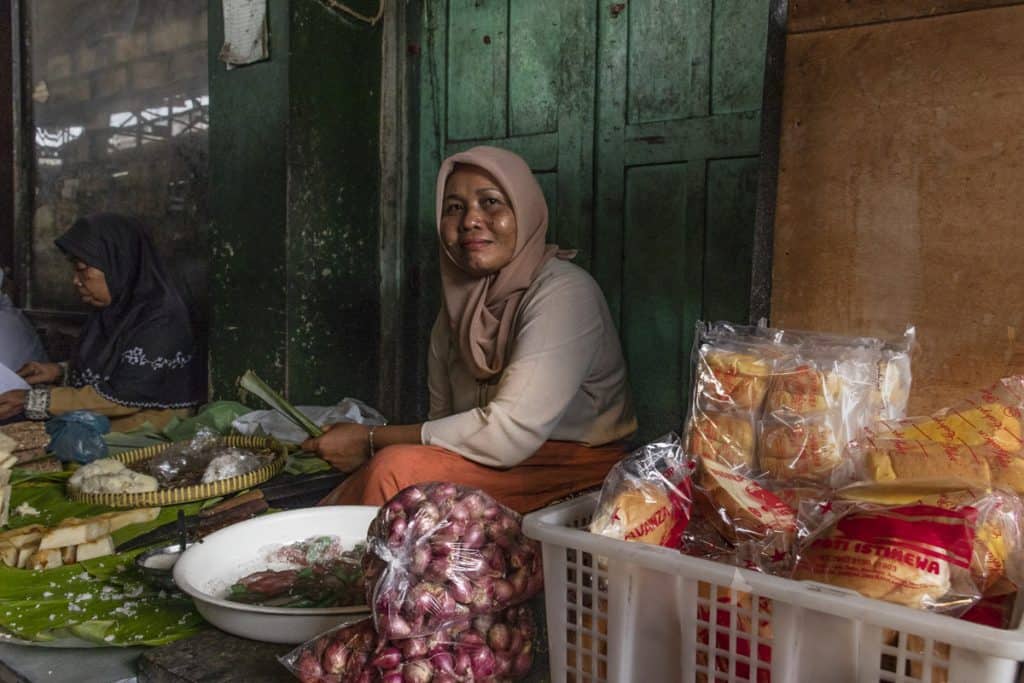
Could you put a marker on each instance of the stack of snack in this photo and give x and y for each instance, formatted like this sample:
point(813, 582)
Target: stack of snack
point(29, 446)
point(776, 408)
point(733, 370)
point(73, 540)
point(803, 465)
point(784, 404)
point(969, 457)
point(816, 403)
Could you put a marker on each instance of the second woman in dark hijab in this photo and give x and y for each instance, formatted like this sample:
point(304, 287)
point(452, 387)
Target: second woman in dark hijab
point(136, 360)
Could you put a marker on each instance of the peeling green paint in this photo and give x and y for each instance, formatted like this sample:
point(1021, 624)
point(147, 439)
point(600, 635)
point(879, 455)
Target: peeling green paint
point(294, 165)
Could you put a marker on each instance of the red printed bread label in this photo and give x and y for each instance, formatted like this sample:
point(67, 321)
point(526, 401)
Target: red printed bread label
point(803, 390)
point(902, 555)
point(737, 379)
point(649, 513)
point(744, 497)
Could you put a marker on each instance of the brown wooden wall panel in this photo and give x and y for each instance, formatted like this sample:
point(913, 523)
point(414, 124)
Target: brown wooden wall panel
point(814, 15)
point(899, 196)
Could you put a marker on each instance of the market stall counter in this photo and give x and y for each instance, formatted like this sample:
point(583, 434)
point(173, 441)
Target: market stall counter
point(79, 599)
point(24, 664)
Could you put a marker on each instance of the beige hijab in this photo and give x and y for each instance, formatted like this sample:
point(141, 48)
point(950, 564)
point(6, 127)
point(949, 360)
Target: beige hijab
point(481, 309)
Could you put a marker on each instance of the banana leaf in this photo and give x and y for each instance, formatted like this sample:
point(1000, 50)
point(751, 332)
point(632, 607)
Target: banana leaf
point(105, 600)
point(254, 385)
point(301, 463)
point(217, 416)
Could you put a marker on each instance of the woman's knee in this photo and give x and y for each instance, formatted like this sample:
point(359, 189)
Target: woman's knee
point(394, 467)
point(398, 455)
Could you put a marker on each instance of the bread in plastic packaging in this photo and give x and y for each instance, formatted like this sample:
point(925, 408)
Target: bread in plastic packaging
point(647, 496)
point(914, 555)
point(804, 389)
point(934, 466)
point(741, 522)
point(990, 416)
point(803, 396)
point(733, 375)
point(727, 438)
point(927, 464)
point(996, 563)
point(891, 376)
point(798, 448)
point(894, 375)
point(743, 507)
point(820, 398)
point(733, 368)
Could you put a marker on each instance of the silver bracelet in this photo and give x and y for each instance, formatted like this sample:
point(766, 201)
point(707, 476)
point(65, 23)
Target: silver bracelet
point(37, 403)
point(369, 438)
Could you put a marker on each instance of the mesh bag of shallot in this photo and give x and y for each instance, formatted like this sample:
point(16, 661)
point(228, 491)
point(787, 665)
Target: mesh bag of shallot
point(489, 647)
point(438, 553)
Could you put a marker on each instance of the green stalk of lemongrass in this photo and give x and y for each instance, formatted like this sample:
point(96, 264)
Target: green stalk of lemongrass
point(251, 382)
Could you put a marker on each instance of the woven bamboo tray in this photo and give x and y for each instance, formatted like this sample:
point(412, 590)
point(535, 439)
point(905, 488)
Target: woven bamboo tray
point(187, 494)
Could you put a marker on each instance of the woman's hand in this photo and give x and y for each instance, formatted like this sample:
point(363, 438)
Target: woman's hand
point(40, 373)
point(12, 402)
point(345, 445)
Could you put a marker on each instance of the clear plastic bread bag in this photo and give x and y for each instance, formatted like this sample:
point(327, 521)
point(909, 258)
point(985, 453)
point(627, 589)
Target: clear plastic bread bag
point(917, 554)
point(647, 496)
point(892, 376)
point(991, 415)
point(739, 521)
point(732, 370)
point(976, 443)
point(819, 399)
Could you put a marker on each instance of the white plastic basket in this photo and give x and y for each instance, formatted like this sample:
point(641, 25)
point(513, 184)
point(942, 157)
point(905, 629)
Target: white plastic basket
point(629, 612)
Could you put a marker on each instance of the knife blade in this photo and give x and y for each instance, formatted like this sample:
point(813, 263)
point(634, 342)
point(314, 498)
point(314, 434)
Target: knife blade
point(192, 527)
point(283, 491)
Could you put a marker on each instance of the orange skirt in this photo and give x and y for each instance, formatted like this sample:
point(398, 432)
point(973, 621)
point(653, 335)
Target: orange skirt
point(556, 470)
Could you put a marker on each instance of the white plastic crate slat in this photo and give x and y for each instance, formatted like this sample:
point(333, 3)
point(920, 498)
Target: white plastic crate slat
point(686, 595)
point(626, 615)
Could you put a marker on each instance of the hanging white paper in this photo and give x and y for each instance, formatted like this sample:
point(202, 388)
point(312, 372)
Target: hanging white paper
point(245, 32)
point(9, 380)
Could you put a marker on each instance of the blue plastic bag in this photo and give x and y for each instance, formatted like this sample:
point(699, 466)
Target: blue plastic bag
point(78, 436)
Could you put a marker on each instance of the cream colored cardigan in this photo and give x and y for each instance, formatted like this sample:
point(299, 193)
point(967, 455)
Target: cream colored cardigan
point(565, 379)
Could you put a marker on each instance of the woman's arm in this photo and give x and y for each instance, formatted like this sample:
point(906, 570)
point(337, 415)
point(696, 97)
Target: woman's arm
point(556, 344)
point(347, 446)
point(66, 399)
point(34, 372)
point(42, 403)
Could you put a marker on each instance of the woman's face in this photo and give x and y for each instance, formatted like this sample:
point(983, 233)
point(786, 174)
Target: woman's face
point(91, 284)
point(478, 227)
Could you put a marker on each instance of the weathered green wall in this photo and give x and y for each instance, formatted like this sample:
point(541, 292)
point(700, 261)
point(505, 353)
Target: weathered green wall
point(248, 209)
point(294, 199)
point(641, 121)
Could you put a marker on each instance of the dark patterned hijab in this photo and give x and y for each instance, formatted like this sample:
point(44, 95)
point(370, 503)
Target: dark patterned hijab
point(138, 351)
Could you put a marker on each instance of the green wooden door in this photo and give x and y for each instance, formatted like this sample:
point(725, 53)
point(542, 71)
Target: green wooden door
point(641, 122)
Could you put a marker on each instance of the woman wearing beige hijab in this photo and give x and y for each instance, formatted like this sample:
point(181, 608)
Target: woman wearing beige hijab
point(528, 393)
